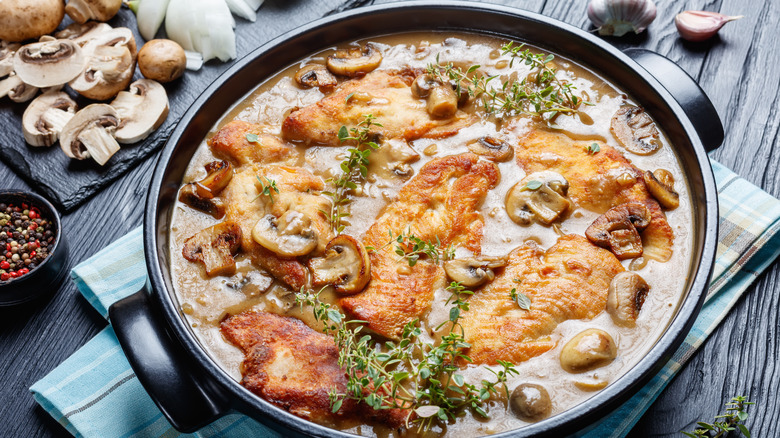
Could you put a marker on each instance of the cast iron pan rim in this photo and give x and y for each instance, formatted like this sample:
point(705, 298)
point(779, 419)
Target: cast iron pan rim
point(604, 401)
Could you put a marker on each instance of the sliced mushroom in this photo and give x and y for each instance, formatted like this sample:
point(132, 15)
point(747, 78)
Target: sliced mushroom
point(354, 61)
point(90, 133)
point(660, 184)
point(142, 109)
point(393, 159)
point(289, 235)
point(201, 195)
point(618, 229)
point(423, 85)
point(109, 66)
point(473, 271)
point(215, 247)
point(492, 148)
point(316, 75)
point(16, 89)
point(82, 33)
point(345, 265)
point(627, 293)
point(540, 196)
point(589, 349)
point(7, 51)
point(530, 402)
point(635, 130)
point(45, 117)
point(83, 10)
point(48, 63)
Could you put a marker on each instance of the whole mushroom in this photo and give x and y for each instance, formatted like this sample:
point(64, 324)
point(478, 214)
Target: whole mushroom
point(530, 402)
point(589, 349)
point(627, 293)
point(162, 60)
point(27, 19)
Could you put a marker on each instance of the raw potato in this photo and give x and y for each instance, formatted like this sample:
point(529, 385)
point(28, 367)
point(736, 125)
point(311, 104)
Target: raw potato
point(27, 19)
point(162, 60)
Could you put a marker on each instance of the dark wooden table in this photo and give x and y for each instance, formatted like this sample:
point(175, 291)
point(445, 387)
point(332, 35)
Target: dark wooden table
point(740, 71)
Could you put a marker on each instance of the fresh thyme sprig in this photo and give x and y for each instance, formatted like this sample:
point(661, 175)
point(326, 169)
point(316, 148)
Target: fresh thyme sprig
point(267, 188)
point(409, 374)
point(544, 95)
point(732, 419)
point(353, 168)
point(522, 300)
point(410, 248)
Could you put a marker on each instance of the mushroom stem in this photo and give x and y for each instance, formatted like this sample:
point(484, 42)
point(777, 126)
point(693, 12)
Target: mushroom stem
point(56, 118)
point(100, 144)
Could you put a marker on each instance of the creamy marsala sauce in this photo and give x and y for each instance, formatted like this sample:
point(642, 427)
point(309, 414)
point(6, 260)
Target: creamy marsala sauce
point(205, 302)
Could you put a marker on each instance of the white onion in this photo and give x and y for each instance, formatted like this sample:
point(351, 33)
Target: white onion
point(150, 15)
point(242, 9)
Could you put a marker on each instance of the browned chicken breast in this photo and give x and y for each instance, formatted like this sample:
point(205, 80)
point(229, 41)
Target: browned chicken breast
point(597, 182)
point(294, 367)
point(231, 143)
point(441, 202)
point(384, 94)
point(568, 281)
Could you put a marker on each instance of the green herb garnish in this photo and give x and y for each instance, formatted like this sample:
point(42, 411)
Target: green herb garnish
point(533, 185)
point(267, 187)
point(592, 149)
point(353, 168)
point(252, 138)
point(410, 248)
point(521, 299)
point(732, 419)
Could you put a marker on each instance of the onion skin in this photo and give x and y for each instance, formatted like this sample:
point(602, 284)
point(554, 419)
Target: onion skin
point(697, 26)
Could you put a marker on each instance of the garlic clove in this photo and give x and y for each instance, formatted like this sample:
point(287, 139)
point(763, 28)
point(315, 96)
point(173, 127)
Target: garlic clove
point(618, 17)
point(701, 25)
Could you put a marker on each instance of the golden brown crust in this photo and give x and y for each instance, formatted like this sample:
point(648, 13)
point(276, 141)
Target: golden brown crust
point(294, 367)
point(230, 143)
point(430, 207)
point(597, 182)
point(568, 281)
point(384, 94)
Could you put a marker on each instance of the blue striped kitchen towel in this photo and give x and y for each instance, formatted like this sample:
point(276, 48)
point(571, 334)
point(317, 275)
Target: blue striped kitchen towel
point(94, 393)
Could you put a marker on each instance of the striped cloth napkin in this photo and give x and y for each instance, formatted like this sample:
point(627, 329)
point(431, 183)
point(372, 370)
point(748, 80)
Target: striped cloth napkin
point(94, 393)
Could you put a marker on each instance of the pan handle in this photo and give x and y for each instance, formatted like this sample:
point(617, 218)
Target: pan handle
point(160, 364)
point(686, 92)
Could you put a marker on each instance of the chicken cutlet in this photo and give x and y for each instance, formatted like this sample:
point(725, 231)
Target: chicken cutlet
point(568, 281)
point(384, 94)
point(231, 143)
point(441, 203)
point(294, 367)
point(294, 189)
point(597, 182)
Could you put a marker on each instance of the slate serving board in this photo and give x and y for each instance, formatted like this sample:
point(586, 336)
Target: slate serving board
point(68, 183)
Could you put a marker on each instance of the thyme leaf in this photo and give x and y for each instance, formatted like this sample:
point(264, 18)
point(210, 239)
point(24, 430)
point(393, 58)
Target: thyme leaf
point(410, 248)
point(522, 300)
point(592, 149)
point(267, 187)
point(732, 419)
point(353, 168)
point(252, 138)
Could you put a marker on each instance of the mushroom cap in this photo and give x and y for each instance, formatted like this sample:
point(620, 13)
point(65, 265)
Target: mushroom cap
point(97, 114)
point(162, 60)
point(473, 271)
point(315, 75)
point(540, 196)
point(45, 117)
point(626, 296)
point(83, 33)
point(618, 229)
point(214, 247)
point(354, 61)
point(289, 235)
point(142, 109)
point(345, 265)
point(587, 350)
point(48, 63)
point(101, 10)
point(635, 130)
point(492, 148)
point(530, 402)
point(26, 19)
point(660, 184)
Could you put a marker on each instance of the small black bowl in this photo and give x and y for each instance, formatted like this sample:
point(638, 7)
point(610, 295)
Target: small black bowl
point(41, 279)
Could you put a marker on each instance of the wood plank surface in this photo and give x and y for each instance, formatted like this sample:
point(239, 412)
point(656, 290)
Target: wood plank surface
point(740, 71)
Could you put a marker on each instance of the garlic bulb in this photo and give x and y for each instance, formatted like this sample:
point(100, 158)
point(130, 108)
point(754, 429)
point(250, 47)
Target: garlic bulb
point(618, 17)
point(701, 25)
